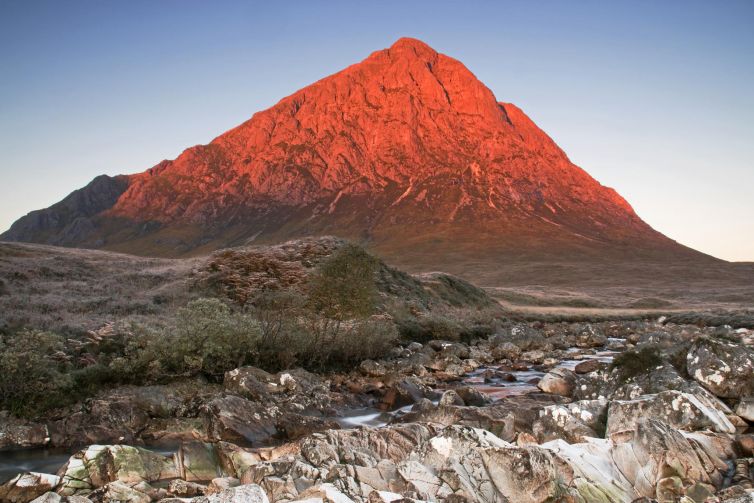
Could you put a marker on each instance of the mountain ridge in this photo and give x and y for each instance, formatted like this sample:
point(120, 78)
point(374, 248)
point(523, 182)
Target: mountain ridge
point(406, 151)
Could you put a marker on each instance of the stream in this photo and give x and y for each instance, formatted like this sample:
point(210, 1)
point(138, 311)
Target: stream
point(498, 384)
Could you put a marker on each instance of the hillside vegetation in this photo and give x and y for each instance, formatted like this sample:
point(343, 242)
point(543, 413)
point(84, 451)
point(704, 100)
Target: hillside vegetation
point(74, 321)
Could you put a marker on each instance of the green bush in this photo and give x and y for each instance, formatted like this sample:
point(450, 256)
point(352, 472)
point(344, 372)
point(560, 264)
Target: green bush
point(428, 327)
point(631, 364)
point(206, 338)
point(317, 343)
point(344, 286)
point(32, 367)
point(274, 310)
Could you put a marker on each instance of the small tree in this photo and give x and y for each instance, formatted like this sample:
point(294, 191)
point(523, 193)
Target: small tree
point(344, 287)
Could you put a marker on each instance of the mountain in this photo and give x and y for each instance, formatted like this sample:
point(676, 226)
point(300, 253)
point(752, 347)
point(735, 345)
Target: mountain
point(406, 151)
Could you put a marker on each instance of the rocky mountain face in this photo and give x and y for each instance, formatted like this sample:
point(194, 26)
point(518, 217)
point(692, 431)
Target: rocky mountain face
point(68, 222)
point(407, 151)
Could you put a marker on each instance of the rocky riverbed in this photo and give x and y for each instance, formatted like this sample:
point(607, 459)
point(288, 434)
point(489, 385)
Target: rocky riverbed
point(606, 412)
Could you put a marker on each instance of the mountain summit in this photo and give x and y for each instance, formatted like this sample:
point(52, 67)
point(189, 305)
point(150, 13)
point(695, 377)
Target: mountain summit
point(406, 151)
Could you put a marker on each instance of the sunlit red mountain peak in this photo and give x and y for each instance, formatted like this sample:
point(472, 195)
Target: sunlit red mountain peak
point(406, 150)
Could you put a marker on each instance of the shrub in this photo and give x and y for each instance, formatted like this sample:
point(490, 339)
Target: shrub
point(32, 372)
point(206, 338)
point(344, 286)
point(241, 274)
point(428, 327)
point(631, 364)
point(89, 380)
point(476, 330)
point(274, 310)
point(317, 343)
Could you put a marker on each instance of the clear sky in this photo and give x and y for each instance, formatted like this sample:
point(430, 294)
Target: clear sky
point(653, 98)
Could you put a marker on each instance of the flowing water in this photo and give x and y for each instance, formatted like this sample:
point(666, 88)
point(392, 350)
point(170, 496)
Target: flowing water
point(496, 382)
point(31, 460)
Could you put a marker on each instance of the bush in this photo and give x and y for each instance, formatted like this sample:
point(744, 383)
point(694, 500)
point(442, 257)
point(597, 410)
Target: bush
point(366, 339)
point(274, 310)
point(428, 327)
point(344, 286)
point(631, 364)
point(32, 371)
point(206, 338)
point(317, 343)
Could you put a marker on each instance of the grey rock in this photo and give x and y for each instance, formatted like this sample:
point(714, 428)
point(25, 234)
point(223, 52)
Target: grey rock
point(682, 411)
point(724, 368)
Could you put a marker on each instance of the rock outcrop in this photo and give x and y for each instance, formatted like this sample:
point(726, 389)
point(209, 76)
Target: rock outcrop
point(724, 368)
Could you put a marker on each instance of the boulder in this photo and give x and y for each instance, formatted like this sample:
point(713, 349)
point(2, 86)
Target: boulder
point(183, 489)
point(235, 419)
point(414, 346)
point(15, 433)
point(588, 336)
point(325, 493)
point(98, 465)
point(745, 408)
point(534, 356)
point(51, 497)
point(406, 391)
point(27, 486)
point(506, 350)
point(656, 451)
point(587, 366)
point(132, 414)
point(236, 460)
point(573, 422)
point(48, 497)
point(610, 385)
point(498, 419)
point(469, 464)
point(197, 462)
point(249, 382)
point(746, 444)
point(473, 397)
point(250, 493)
point(120, 492)
point(682, 411)
point(295, 426)
point(558, 381)
point(449, 348)
point(527, 474)
point(724, 368)
point(735, 494)
point(653, 462)
point(450, 397)
point(221, 484)
point(343, 446)
point(481, 354)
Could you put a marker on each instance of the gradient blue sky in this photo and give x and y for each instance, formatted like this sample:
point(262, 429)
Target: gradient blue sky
point(655, 99)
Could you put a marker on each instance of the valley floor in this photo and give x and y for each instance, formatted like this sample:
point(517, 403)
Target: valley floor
point(538, 412)
point(440, 391)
